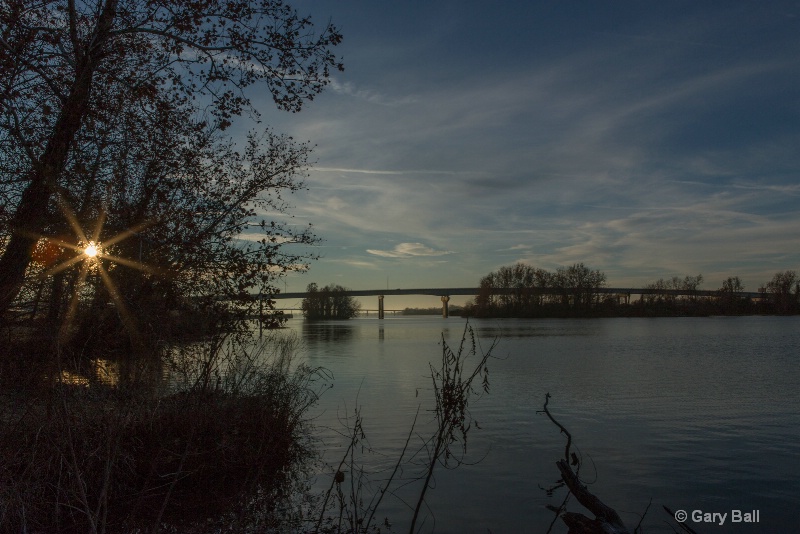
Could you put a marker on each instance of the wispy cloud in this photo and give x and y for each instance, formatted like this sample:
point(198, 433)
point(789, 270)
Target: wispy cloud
point(789, 189)
point(387, 172)
point(373, 97)
point(642, 147)
point(360, 264)
point(407, 250)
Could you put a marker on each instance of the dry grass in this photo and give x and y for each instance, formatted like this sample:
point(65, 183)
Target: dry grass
point(232, 443)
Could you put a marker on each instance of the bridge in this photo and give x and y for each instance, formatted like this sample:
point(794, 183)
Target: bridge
point(446, 292)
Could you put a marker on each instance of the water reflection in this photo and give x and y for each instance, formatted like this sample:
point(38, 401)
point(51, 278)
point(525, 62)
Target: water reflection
point(120, 372)
point(327, 331)
point(653, 401)
point(539, 328)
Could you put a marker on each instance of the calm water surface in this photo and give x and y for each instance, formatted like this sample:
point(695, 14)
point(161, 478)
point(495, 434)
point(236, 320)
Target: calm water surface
point(695, 413)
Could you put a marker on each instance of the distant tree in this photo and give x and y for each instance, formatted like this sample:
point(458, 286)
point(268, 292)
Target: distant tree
point(731, 285)
point(661, 291)
point(785, 290)
point(691, 283)
point(330, 302)
point(526, 283)
point(579, 284)
point(521, 290)
point(656, 292)
point(731, 303)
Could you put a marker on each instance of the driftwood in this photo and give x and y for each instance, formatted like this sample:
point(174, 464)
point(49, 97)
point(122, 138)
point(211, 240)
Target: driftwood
point(606, 520)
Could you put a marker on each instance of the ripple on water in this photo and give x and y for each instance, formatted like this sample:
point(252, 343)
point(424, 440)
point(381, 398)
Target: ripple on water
point(693, 412)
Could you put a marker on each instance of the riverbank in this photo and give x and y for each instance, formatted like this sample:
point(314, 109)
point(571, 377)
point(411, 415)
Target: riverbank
point(701, 307)
point(210, 438)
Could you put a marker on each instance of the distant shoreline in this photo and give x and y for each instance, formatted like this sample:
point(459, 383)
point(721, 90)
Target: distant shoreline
point(699, 309)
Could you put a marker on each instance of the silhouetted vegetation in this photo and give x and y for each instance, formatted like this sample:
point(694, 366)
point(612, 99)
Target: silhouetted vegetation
point(330, 302)
point(225, 442)
point(126, 211)
point(351, 503)
point(524, 291)
point(568, 292)
point(784, 289)
point(129, 219)
point(779, 296)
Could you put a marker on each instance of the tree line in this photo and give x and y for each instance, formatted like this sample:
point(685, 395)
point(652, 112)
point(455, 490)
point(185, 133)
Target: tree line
point(537, 292)
point(573, 292)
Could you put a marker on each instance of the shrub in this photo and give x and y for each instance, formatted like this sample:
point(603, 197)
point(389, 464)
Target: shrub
point(231, 443)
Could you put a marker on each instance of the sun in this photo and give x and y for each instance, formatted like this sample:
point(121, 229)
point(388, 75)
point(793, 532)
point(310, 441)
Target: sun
point(92, 249)
point(91, 256)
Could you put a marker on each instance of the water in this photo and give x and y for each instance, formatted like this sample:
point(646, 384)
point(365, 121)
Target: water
point(693, 413)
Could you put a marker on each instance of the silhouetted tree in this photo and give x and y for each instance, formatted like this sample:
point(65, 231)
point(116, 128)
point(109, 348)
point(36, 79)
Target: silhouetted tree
point(183, 195)
point(67, 68)
point(661, 298)
point(729, 302)
point(527, 284)
point(578, 285)
point(330, 302)
point(691, 283)
point(785, 290)
point(656, 292)
point(732, 284)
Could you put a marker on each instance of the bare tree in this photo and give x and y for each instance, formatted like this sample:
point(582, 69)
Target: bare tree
point(785, 290)
point(579, 283)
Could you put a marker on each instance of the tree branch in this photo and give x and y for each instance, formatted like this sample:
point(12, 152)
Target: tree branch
point(607, 520)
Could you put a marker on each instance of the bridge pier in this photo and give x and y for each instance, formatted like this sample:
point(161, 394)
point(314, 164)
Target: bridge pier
point(445, 308)
point(380, 306)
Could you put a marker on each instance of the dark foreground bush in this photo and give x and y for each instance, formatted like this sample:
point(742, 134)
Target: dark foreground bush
point(232, 444)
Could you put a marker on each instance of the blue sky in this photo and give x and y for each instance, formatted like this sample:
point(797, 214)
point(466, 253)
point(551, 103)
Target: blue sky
point(644, 139)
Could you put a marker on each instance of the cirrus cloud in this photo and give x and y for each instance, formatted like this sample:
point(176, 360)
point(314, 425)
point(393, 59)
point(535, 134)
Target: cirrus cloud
point(408, 250)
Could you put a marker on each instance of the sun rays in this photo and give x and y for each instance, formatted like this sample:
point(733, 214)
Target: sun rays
point(93, 257)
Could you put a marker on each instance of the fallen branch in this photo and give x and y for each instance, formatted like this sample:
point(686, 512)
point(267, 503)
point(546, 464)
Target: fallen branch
point(560, 426)
point(607, 520)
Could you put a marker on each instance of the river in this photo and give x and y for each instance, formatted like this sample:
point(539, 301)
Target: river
point(698, 414)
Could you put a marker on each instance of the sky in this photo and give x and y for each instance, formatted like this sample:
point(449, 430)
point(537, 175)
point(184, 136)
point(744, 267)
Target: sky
point(644, 139)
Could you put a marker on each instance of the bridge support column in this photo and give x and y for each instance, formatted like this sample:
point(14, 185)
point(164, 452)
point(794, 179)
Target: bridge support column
point(445, 308)
point(380, 306)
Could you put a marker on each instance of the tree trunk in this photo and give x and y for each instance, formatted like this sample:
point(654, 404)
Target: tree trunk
point(56, 297)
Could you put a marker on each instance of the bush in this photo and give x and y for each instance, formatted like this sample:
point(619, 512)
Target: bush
point(233, 442)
